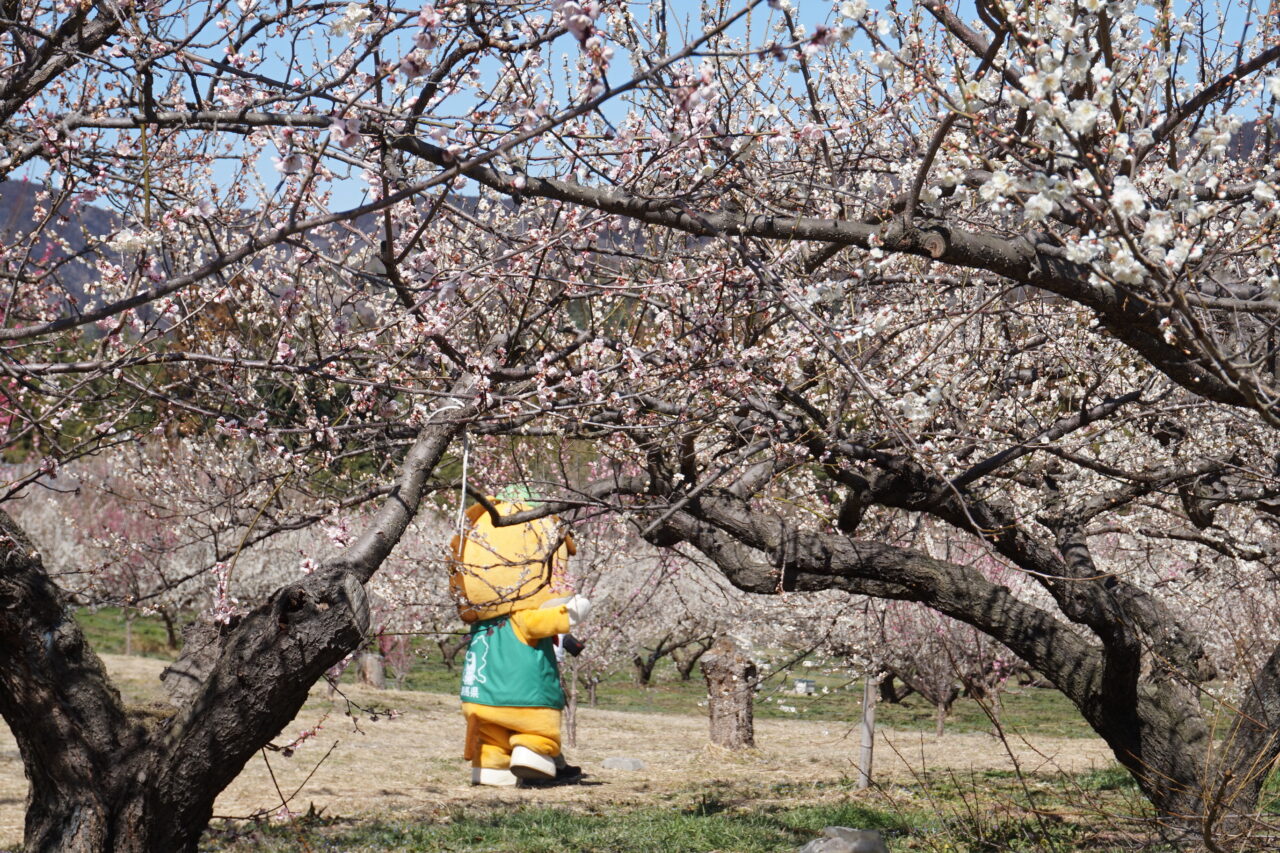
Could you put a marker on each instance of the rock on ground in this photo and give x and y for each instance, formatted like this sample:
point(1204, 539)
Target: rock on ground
point(842, 839)
point(615, 762)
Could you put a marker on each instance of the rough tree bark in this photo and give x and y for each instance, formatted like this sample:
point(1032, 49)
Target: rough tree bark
point(731, 688)
point(105, 776)
point(108, 777)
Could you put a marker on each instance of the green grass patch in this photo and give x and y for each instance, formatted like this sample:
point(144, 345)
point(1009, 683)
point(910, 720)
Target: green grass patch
point(1114, 778)
point(1269, 799)
point(109, 632)
point(976, 813)
point(428, 674)
point(703, 825)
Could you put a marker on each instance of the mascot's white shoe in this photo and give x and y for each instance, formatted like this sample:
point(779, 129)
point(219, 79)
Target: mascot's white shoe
point(493, 776)
point(527, 764)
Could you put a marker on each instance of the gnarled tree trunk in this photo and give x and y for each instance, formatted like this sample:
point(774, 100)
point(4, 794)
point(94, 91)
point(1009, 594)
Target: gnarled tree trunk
point(450, 649)
point(1126, 663)
point(108, 778)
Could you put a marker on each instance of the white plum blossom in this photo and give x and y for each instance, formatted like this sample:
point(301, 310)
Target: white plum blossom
point(1058, 190)
point(855, 10)
point(1083, 116)
point(413, 66)
point(128, 241)
point(1038, 207)
point(579, 19)
point(1125, 268)
point(1084, 250)
point(810, 133)
point(353, 15)
point(999, 185)
point(920, 408)
point(1263, 192)
point(1178, 255)
point(1126, 198)
point(290, 164)
point(1159, 230)
point(972, 89)
point(429, 18)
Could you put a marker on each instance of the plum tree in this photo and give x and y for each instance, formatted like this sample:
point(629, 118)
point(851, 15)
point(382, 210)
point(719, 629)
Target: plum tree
point(791, 282)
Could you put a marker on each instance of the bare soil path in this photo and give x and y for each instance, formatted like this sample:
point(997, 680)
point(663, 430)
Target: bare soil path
point(410, 767)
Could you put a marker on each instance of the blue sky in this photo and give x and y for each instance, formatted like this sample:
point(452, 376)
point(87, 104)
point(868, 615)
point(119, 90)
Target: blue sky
point(682, 18)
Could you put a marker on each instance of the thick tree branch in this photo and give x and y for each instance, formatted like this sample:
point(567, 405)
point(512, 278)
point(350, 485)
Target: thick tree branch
point(363, 557)
point(758, 555)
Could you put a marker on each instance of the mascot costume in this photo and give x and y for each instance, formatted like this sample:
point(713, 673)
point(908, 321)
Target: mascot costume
point(511, 584)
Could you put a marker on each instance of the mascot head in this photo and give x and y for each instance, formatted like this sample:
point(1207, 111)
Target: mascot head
point(499, 570)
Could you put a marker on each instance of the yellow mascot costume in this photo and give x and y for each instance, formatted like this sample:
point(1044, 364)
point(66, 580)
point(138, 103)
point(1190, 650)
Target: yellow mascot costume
point(511, 584)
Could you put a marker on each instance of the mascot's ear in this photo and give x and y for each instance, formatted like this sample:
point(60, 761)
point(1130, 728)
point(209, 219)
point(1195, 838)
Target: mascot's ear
point(570, 545)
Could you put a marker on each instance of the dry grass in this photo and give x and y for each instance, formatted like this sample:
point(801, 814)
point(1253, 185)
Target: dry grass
point(411, 767)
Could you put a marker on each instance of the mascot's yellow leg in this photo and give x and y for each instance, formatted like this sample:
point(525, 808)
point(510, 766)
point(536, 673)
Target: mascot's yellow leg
point(492, 732)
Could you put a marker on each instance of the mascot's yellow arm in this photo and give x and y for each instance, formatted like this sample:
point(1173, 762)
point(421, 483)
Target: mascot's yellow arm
point(534, 625)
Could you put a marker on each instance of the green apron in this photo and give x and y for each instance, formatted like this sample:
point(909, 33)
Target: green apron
point(502, 670)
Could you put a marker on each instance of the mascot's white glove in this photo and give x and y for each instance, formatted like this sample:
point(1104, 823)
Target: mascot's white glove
point(579, 608)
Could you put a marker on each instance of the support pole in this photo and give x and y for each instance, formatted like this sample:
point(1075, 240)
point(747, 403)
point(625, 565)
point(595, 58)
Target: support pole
point(867, 728)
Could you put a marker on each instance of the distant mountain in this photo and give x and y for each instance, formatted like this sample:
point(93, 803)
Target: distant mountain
point(71, 229)
point(1260, 134)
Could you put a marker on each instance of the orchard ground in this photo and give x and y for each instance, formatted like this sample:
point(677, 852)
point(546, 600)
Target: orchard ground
point(399, 783)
